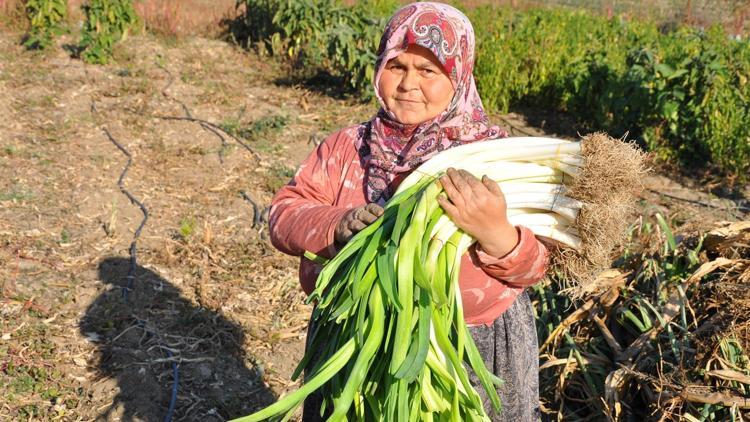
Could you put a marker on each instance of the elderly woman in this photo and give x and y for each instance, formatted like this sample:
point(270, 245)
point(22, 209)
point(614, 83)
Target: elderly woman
point(428, 103)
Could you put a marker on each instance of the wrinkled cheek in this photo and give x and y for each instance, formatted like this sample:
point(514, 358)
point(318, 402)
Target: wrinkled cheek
point(438, 96)
point(386, 86)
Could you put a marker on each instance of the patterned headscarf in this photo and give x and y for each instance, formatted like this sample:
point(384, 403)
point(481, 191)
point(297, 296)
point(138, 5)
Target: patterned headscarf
point(391, 149)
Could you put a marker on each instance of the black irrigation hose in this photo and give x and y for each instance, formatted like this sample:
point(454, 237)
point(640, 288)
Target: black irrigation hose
point(216, 130)
point(176, 377)
point(256, 209)
point(204, 124)
point(134, 262)
point(736, 206)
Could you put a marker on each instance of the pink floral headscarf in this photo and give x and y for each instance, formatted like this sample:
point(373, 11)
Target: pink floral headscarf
point(390, 149)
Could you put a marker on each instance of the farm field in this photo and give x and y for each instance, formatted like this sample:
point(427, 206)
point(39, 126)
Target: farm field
point(208, 284)
point(213, 130)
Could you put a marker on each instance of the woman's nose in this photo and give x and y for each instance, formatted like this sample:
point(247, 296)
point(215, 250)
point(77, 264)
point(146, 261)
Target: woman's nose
point(409, 81)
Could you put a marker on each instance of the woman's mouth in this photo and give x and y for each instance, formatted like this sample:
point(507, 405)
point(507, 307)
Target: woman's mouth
point(404, 100)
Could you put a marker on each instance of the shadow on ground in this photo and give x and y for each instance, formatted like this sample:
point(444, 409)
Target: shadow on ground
point(136, 336)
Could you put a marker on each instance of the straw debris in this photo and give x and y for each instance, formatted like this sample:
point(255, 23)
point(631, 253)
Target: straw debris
point(664, 336)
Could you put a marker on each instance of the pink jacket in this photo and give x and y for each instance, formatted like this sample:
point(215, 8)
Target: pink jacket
point(304, 215)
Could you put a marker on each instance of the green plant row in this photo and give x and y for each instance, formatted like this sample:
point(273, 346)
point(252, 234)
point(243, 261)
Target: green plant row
point(107, 22)
point(683, 92)
point(46, 18)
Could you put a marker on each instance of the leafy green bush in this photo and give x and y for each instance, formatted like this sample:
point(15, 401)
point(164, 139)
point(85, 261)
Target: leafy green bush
point(321, 35)
point(107, 22)
point(46, 18)
point(697, 83)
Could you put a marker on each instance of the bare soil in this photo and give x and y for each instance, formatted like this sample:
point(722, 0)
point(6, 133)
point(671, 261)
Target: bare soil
point(211, 299)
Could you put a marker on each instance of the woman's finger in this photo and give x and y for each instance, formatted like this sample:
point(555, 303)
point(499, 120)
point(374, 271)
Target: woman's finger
point(356, 225)
point(345, 236)
point(450, 210)
point(367, 217)
point(374, 209)
point(451, 191)
point(492, 186)
point(471, 180)
point(457, 178)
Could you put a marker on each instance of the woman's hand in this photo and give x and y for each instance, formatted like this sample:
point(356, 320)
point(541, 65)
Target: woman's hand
point(355, 220)
point(479, 209)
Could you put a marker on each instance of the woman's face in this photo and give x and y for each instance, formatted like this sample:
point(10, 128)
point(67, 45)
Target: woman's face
point(414, 86)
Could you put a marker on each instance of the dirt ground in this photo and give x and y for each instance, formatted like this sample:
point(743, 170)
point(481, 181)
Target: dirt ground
point(210, 298)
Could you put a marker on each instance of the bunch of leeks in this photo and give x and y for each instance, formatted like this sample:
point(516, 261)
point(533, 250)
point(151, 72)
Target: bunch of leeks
point(390, 342)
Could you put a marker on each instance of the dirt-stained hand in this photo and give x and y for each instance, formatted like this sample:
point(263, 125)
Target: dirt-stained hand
point(479, 209)
point(355, 220)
